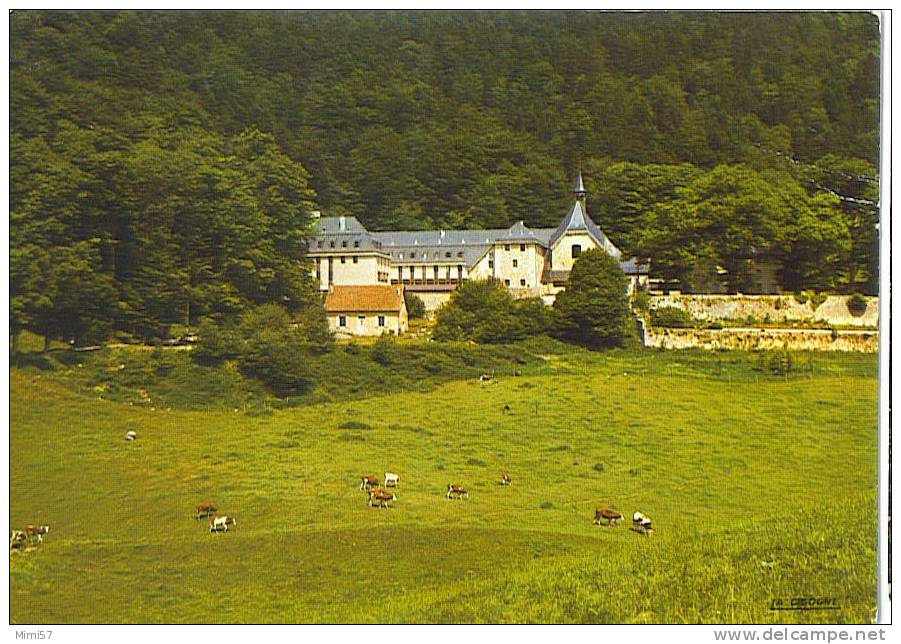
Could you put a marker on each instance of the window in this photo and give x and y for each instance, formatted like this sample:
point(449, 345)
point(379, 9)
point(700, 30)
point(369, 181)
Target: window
point(515, 263)
point(331, 244)
point(577, 250)
point(381, 320)
point(356, 244)
point(522, 282)
point(354, 259)
point(342, 320)
point(447, 254)
point(344, 244)
point(522, 247)
point(506, 282)
point(506, 246)
point(490, 263)
point(412, 255)
point(342, 259)
point(459, 253)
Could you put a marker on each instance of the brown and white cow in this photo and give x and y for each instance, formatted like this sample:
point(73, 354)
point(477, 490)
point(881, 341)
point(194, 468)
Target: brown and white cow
point(368, 482)
point(456, 492)
point(611, 516)
point(36, 532)
point(220, 523)
point(381, 498)
point(506, 479)
point(205, 509)
point(17, 539)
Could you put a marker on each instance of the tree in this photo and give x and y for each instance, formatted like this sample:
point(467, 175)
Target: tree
point(594, 308)
point(415, 306)
point(480, 310)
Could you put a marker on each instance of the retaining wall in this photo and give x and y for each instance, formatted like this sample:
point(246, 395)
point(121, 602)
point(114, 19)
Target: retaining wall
point(779, 308)
point(763, 339)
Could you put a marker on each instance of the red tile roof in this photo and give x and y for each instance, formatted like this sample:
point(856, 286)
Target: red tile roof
point(350, 299)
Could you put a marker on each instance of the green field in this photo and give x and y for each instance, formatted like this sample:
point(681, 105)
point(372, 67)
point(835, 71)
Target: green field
point(760, 487)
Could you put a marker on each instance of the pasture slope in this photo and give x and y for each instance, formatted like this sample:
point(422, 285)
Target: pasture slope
point(759, 490)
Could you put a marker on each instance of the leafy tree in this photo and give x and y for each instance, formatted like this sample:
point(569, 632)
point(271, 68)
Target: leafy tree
point(480, 310)
point(594, 308)
point(415, 306)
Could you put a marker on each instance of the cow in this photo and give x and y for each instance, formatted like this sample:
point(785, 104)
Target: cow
point(381, 498)
point(36, 532)
point(391, 480)
point(485, 377)
point(368, 482)
point(612, 516)
point(220, 523)
point(506, 479)
point(642, 524)
point(17, 539)
point(204, 509)
point(130, 436)
point(506, 409)
point(456, 492)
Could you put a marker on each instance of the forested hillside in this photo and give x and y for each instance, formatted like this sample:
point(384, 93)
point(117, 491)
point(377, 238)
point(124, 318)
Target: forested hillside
point(163, 163)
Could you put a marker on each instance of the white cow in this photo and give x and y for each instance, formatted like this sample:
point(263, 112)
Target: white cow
point(642, 524)
point(391, 480)
point(130, 436)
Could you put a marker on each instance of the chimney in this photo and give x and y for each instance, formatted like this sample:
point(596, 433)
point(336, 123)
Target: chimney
point(342, 223)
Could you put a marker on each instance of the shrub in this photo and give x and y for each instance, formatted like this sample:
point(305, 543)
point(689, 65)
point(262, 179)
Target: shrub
point(672, 317)
point(598, 467)
point(415, 306)
point(781, 362)
point(816, 299)
point(354, 424)
point(476, 462)
point(384, 351)
point(713, 324)
point(801, 297)
point(534, 316)
point(480, 310)
point(547, 505)
point(857, 305)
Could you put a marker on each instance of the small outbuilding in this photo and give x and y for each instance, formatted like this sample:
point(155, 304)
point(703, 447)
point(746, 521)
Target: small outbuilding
point(366, 310)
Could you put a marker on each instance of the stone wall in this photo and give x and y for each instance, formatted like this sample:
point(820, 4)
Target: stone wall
point(779, 308)
point(763, 339)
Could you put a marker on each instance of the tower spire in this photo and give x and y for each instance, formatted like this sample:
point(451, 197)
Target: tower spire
point(580, 192)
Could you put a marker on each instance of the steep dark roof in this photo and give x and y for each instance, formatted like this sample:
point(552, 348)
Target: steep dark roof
point(579, 221)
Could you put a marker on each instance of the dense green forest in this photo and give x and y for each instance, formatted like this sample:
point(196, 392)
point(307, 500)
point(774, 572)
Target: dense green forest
point(163, 164)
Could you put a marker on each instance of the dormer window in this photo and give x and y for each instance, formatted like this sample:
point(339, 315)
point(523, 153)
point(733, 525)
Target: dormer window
point(522, 247)
point(447, 254)
point(356, 244)
point(331, 244)
point(577, 250)
point(344, 244)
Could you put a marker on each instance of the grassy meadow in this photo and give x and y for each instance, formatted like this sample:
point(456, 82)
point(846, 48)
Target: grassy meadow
point(760, 487)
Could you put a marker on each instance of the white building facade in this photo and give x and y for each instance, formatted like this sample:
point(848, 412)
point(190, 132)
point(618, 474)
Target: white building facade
point(531, 262)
